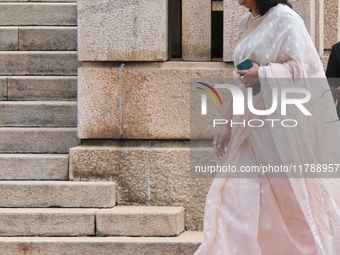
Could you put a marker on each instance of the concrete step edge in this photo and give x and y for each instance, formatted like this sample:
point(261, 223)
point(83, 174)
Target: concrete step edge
point(185, 237)
point(51, 183)
point(37, 103)
point(52, 52)
point(36, 129)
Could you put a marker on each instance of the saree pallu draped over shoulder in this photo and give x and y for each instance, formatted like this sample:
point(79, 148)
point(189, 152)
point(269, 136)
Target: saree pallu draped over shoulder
point(298, 214)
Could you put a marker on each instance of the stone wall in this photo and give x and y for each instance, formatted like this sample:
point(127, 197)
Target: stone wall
point(134, 99)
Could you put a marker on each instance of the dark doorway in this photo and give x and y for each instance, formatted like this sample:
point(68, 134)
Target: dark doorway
point(175, 29)
point(217, 34)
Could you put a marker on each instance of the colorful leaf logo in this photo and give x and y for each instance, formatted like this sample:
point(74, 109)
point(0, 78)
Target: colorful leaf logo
point(209, 93)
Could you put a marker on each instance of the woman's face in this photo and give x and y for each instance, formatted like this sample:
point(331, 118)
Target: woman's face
point(250, 4)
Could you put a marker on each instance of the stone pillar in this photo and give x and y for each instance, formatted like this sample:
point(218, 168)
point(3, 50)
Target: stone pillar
point(196, 30)
point(306, 9)
point(128, 118)
point(123, 30)
point(319, 35)
point(233, 14)
point(140, 100)
point(331, 23)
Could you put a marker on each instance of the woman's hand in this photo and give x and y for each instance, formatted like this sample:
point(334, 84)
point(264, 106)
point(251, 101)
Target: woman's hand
point(221, 139)
point(250, 77)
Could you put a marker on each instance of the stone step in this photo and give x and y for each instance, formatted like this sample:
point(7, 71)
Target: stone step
point(48, 38)
point(34, 166)
point(38, 62)
point(140, 221)
point(38, 14)
point(57, 194)
point(38, 114)
point(41, 88)
point(184, 244)
point(47, 222)
point(39, 38)
point(37, 140)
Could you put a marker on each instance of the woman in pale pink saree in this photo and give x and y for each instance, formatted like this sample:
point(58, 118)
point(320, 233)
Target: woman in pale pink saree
point(295, 215)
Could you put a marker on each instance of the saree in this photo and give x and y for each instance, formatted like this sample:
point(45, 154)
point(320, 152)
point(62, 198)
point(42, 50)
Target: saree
point(298, 214)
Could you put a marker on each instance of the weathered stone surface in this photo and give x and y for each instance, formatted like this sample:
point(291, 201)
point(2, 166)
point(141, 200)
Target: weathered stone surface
point(196, 30)
point(42, 88)
point(9, 38)
point(123, 30)
point(38, 63)
point(33, 167)
point(37, 140)
point(217, 6)
point(48, 38)
point(158, 174)
point(233, 14)
point(55, 1)
point(49, 14)
point(172, 184)
point(64, 1)
point(155, 99)
point(331, 23)
point(99, 106)
point(319, 26)
point(185, 244)
point(140, 221)
point(324, 60)
point(38, 114)
point(3, 88)
point(306, 9)
point(124, 162)
point(57, 194)
point(47, 222)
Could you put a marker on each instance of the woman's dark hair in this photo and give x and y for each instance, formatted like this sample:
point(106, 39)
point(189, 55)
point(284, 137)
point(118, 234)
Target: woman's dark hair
point(264, 5)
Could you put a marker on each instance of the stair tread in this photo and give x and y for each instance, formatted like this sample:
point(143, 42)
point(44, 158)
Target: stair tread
point(58, 103)
point(67, 183)
point(187, 236)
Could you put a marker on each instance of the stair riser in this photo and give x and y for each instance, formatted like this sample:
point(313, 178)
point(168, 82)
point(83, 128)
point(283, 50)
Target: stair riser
point(3, 88)
point(42, 223)
point(45, 88)
point(9, 38)
point(33, 167)
point(38, 39)
point(48, 14)
point(140, 221)
point(37, 140)
point(38, 63)
point(38, 114)
point(56, 194)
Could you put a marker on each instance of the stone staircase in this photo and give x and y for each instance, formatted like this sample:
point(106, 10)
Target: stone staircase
point(41, 210)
